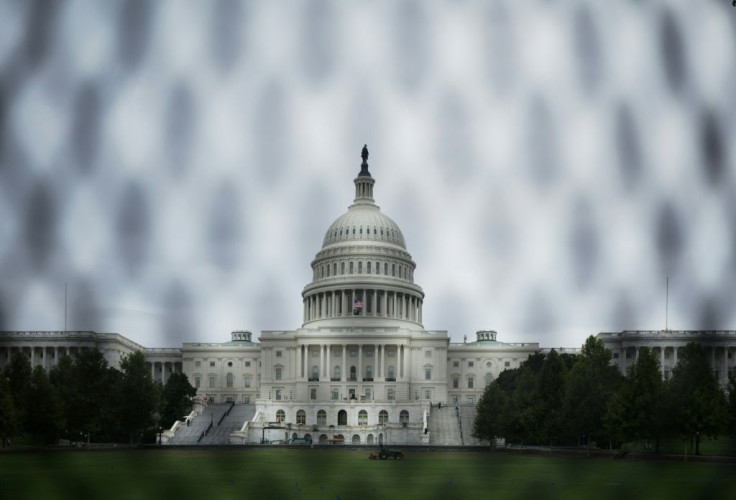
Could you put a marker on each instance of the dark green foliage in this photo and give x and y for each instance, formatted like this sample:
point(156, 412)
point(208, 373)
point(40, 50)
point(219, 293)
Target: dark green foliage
point(551, 394)
point(9, 418)
point(590, 384)
point(697, 403)
point(731, 418)
point(176, 399)
point(45, 419)
point(18, 374)
point(139, 396)
point(633, 412)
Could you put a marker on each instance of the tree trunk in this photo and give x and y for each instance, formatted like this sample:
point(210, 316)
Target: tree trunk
point(697, 444)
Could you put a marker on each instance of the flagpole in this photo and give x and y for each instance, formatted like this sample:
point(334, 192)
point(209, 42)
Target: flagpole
point(667, 306)
point(65, 305)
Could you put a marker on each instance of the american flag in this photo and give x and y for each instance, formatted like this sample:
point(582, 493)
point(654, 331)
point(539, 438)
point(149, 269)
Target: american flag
point(357, 304)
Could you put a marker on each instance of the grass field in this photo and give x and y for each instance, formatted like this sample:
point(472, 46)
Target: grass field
point(268, 473)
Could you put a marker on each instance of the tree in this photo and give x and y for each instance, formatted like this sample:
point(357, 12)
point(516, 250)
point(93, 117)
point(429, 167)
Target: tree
point(633, 411)
point(139, 395)
point(9, 420)
point(732, 403)
point(46, 419)
point(488, 424)
point(698, 403)
point(551, 394)
point(18, 373)
point(591, 382)
point(88, 389)
point(176, 399)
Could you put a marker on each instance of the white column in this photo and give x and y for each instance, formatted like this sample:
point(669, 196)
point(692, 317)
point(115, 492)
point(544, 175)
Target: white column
point(375, 302)
point(321, 360)
point(420, 311)
point(360, 362)
point(661, 357)
point(344, 355)
point(329, 361)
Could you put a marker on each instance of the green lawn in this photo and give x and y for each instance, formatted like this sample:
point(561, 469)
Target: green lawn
point(268, 473)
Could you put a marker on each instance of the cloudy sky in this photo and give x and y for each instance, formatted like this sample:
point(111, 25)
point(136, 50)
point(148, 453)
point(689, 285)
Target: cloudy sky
point(177, 163)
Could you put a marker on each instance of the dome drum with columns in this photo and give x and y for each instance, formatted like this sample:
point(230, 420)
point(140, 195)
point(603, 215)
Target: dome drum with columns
point(363, 271)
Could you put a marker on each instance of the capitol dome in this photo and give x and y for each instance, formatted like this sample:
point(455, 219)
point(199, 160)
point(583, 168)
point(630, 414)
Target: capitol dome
point(364, 222)
point(363, 271)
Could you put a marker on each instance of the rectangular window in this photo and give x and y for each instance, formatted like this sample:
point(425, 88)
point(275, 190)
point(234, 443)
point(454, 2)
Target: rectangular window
point(353, 354)
point(351, 268)
point(455, 383)
point(367, 394)
point(278, 354)
point(369, 268)
point(246, 381)
point(360, 268)
point(335, 394)
point(278, 373)
point(506, 364)
point(212, 363)
point(328, 270)
point(393, 269)
point(391, 354)
point(470, 383)
point(246, 399)
point(471, 400)
point(428, 374)
point(391, 394)
point(427, 354)
point(197, 382)
point(213, 381)
point(313, 394)
point(455, 364)
point(197, 364)
point(278, 394)
point(315, 354)
point(427, 394)
point(247, 363)
point(385, 268)
point(470, 364)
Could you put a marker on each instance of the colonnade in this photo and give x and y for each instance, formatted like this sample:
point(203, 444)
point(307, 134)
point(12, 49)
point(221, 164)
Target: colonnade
point(45, 356)
point(162, 370)
point(719, 356)
point(390, 362)
point(375, 303)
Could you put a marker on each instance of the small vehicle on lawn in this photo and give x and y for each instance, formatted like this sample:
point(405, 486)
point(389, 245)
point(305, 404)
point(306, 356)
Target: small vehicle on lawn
point(384, 454)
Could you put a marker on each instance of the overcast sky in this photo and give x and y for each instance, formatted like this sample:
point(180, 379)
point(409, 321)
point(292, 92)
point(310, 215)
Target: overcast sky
point(549, 163)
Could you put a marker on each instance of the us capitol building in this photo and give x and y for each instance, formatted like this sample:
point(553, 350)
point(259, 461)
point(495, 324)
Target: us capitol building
point(362, 367)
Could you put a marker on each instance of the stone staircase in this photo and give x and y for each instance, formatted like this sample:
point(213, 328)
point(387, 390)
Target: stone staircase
point(444, 427)
point(467, 419)
point(218, 434)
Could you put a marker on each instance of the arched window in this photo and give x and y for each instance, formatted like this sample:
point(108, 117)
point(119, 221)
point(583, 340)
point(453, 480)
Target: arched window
point(301, 417)
point(383, 417)
point(360, 267)
point(334, 269)
point(328, 270)
point(352, 373)
point(351, 267)
point(337, 372)
point(393, 269)
point(342, 268)
point(369, 371)
point(391, 373)
point(378, 268)
point(342, 417)
point(280, 415)
point(489, 379)
point(321, 417)
point(404, 416)
point(362, 417)
point(385, 268)
point(229, 380)
point(368, 267)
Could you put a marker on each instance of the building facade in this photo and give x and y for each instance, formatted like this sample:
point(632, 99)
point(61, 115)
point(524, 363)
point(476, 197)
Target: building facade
point(361, 366)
